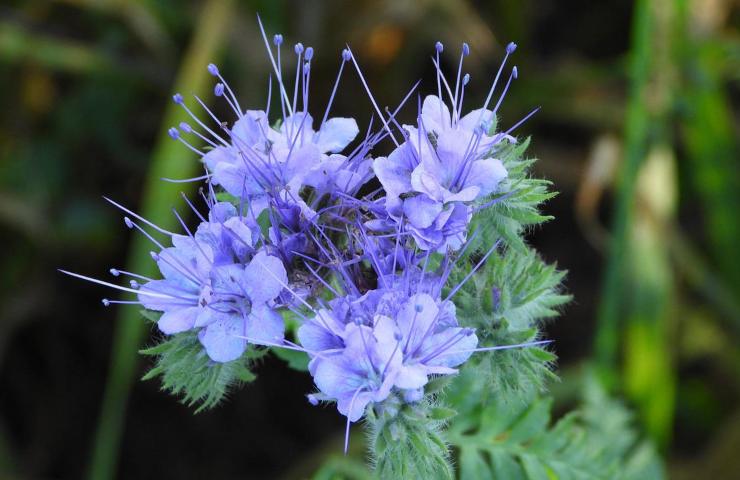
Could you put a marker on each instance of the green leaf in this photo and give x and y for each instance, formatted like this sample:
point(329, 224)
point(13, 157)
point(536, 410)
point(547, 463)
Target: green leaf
point(295, 359)
point(517, 202)
point(151, 315)
point(186, 370)
point(442, 413)
point(506, 301)
point(516, 287)
point(519, 441)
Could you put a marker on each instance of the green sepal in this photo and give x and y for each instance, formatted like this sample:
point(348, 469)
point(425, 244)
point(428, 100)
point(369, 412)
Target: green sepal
point(407, 441)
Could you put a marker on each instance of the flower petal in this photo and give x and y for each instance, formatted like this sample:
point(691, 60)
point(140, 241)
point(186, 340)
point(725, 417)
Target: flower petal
point(435, 114)
point(336, 134)
point(264, 278)
point(486, 174)
point(394, 172)
point(421, 210)
point(221, 338)
point(178, 320)
point(167, 295)
point(411, 376)
point(264, 326)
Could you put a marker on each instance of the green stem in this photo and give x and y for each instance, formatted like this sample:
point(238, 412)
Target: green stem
point(169, 159)
point(636, 135)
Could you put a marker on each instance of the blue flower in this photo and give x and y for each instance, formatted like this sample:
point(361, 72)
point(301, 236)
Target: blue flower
point(214, 281)
point(242, 308)
point(363, 371)
point(362, 349)
point(442, 168)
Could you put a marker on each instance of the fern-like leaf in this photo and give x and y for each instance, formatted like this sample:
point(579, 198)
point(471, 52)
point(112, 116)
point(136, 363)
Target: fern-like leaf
point(186, 370)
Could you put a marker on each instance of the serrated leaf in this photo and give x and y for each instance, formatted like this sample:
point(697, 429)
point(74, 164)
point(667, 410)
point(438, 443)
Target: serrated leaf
point(595, 443)
point(516, 204)
point(186, 370)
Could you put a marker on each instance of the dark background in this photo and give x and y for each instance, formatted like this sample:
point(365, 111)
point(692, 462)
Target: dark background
point(85, 89)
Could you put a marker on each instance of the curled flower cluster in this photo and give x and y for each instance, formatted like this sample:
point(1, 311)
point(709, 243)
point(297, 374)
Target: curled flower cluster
point(299, 224)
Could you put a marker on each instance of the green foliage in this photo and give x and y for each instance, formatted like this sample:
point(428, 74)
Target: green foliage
point(517, 440)
point(186, 370)
point(514, 290)
point(506, 300)
point(407, 441)
point(342, 468)
point(295, 359)
point(518, 207)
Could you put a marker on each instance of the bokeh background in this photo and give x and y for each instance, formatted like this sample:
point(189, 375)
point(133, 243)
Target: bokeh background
point(638, 131)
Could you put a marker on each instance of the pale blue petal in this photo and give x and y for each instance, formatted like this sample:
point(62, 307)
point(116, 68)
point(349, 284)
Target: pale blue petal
point(394, 173)
point(219, 156)
point(167, 295)
point(178, 320)
point(264, 278)
point(336, 134)
point(221, 339)
point(411, 376)
point(249, 129)
point(435, 115)
point(264, 326)
point(486, 174)
point(421, 210)
point(475, 118)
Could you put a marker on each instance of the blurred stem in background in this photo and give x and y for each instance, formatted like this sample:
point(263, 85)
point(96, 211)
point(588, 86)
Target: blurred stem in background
point(710, 140)
point(638, 286)
point(169, 159)
point(636, 135)
point(649, 301)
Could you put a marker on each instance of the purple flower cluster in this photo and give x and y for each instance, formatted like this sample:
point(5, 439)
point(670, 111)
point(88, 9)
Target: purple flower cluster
point(364, 348)
point(297, 226)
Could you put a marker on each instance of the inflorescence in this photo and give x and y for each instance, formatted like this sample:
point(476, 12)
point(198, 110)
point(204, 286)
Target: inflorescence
point(358, 249)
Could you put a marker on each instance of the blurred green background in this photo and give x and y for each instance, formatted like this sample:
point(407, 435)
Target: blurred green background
point(638, 131)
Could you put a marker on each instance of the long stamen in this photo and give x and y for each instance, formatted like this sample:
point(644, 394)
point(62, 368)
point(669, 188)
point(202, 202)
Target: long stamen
point(351, 406)
point(299, 53)
point(345, 58)
point(472, 272)
point(510, 48)
point(233, 101)
point(372, 99)
point(117, 287)
point(465, 81)
point(514, 74)
point(439, 47)
point(500, 347)
point(185, 180)
point(185, 127)
point(192, 207)
point(274, 66)
point(178, 99)
point(175, 135)
point(117, 272)
point(463, 54)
